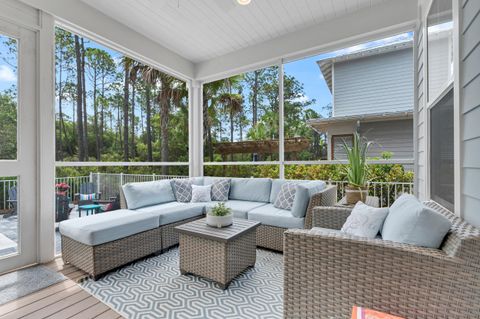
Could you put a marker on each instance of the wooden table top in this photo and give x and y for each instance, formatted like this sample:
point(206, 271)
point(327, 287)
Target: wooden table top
point(201, 229)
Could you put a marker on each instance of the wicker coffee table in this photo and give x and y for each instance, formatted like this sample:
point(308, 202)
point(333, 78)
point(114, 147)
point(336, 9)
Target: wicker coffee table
point(219, 254)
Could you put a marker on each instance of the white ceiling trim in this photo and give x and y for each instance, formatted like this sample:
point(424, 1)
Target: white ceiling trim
point(81, 17)
point(383, 20)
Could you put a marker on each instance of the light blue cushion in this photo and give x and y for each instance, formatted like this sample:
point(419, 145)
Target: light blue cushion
point(173, 212)
point(197, 181)
point(277, 186)
point(411, 222)
point(239, 208)
point(208, 180)
point(148, 193)
point(106, 227)
point(302, 197)
point(251, 189)
point(272, 216)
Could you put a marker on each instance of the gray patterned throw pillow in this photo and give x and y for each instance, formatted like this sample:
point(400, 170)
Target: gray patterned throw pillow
point(220, 189)
point(286, 196)
point(183, 190)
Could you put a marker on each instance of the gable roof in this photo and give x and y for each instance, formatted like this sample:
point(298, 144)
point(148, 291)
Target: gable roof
point(325, 65)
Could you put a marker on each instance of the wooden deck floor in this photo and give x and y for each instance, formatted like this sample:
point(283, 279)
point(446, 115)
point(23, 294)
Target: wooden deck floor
point(60, 301)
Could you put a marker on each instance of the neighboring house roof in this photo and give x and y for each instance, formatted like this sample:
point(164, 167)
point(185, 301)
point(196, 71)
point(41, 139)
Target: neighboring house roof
point(326, 64)
point(321, 124)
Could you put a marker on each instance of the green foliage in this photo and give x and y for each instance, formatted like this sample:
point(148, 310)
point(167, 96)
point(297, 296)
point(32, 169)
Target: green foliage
point(8, 126)
point(220, 210)
point(357, 169)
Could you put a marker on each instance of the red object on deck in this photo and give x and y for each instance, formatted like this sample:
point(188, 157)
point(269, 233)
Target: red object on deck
point(365, 313)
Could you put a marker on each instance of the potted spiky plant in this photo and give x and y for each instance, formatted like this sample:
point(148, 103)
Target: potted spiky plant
point(357, 169)
point(220, 216)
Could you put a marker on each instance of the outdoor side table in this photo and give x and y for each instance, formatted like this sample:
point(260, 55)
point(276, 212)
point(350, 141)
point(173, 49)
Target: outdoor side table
point(93, 208)
point(219, 254)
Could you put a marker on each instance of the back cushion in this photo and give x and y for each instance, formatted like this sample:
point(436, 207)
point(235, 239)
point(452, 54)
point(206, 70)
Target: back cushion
point(148, 193)
point(303, 194)
point(411, 222)
point(277, 185)
point(251, 189)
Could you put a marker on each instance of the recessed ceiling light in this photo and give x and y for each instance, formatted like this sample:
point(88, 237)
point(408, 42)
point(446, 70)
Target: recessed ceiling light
point(244, 2)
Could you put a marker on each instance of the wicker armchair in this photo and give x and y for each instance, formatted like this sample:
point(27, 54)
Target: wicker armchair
point(327, 272)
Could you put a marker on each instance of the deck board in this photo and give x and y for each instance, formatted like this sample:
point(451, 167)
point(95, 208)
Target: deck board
point(62, 300)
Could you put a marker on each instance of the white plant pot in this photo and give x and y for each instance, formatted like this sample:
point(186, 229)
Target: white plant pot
point(219, 221)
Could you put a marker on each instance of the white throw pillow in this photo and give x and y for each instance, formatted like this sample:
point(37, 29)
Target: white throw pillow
point(201, 193)
point(365, 221)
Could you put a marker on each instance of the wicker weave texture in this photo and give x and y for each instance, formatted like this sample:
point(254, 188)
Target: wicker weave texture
point(216, 260)
point(96, 260)
point(327, 197)
point(270, 237)
point(327, 272)
point(170, 237)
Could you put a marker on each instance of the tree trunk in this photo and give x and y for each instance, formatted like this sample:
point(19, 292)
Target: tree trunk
point(95, 116)
point(164, 112)
point(149, 129)
point(85, 114)
point(102, 115)
point(255, 98)
point(125, 111)
point(132, 124)
point(81, 149)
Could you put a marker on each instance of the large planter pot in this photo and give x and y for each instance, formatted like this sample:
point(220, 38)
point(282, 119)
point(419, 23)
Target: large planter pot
point(355, 194)
point(219, 221)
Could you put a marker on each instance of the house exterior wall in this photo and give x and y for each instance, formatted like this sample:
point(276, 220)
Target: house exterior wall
point(339, 129)
point(389, 136)
point(470, 109)
point(379, 83)
point(421, 112)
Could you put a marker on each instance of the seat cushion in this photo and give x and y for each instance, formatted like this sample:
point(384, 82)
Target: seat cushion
point(411, 222)
point(272, 216)
point(103, 228)
point(148, 193)
point(251, 189)
point(239, 208)
point(303, 194)
point(174, 212)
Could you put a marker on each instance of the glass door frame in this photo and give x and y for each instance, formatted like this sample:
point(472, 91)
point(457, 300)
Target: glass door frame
point(24, 167)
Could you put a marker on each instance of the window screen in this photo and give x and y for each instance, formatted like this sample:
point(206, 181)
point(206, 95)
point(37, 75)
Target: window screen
point(441, 152)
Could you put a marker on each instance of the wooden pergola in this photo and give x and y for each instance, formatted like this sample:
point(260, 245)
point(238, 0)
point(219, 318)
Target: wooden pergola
point(295, 144)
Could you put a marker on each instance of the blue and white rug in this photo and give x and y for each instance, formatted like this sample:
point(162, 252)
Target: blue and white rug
point(154, 288)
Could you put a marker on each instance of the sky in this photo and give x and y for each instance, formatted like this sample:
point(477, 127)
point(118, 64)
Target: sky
point(305, 70)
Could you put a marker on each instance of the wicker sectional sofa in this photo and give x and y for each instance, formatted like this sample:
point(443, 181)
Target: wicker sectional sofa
point(327, 272)
point(100, 243)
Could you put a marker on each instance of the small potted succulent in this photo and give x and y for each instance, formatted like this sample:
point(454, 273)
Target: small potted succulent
point(357, 170)
point(220, 216)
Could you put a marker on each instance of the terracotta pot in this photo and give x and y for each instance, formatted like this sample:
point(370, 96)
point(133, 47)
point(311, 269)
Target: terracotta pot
point(355, 194)
point(219, 221)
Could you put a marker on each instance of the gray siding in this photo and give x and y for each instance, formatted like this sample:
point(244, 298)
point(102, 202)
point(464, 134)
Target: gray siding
point(420, 111)
point(379, 83)
point(390, 136)
point(470, 109)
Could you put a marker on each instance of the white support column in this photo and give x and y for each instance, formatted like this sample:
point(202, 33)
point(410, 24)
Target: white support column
point(195, 115)
point(281, 130)
point(46, 139)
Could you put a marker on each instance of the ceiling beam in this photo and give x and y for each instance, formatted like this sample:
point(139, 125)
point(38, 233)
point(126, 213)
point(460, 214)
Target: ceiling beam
point(364, 25)
point(90, 22)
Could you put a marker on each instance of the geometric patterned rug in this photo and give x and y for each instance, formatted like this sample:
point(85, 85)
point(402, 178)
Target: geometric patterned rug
point(154, 288)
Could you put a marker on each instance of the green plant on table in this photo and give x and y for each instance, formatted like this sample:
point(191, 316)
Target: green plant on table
point(357, 170)
point(220, 210)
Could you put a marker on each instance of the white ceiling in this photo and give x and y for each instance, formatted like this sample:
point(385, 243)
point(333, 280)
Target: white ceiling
point(200, 30)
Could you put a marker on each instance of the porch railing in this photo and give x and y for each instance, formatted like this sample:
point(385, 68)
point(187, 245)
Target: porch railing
point(387, 192)
point(108, 185)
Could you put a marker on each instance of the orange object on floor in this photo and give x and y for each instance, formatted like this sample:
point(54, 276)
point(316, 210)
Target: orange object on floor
point(365, 313)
